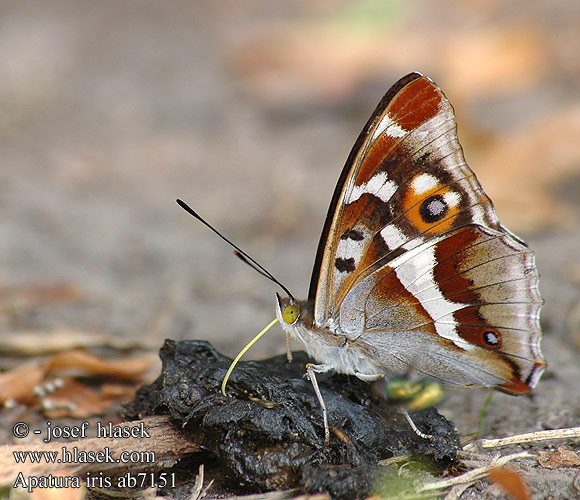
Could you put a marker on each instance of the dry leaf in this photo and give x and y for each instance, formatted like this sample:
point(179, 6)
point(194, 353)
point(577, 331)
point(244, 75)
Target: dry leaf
point(90, 364)
point(38, 342)
point(559, 458)
point(19, 383)
point(511, 482)
point(75, 400)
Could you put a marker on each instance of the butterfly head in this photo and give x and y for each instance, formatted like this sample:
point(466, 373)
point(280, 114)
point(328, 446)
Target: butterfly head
point(287, 310)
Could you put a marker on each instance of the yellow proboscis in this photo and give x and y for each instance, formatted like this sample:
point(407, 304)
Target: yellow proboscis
point(243, 351)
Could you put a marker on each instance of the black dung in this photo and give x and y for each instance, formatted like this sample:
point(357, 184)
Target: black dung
point(268, 433)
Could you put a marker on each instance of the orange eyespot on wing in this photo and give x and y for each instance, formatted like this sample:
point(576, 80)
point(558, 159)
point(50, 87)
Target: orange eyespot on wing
point(430, 206)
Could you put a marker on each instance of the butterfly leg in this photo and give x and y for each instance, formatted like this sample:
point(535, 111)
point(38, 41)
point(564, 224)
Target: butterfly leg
point(311, 371)
point(288, 348)
point(413, 426)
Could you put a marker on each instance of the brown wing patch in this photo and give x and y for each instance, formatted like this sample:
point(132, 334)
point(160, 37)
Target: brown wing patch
point(381, 147)
point(448, 272)
point(415, 104)
point(516, 386)
point(390, 303)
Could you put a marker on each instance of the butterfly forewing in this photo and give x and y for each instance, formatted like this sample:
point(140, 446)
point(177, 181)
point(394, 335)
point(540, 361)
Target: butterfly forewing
point(413, 263)
point(407, 181)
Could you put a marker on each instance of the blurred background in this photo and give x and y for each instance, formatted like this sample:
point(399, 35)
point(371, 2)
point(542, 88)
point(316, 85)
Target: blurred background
point(247, 111)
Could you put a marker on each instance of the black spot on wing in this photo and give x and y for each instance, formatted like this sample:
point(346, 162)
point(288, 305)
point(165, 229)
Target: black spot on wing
point(352, 234)
point(345, 265)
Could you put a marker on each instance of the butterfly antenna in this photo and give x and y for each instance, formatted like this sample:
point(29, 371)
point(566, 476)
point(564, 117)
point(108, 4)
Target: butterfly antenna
point(243, 256)
point(251, 264)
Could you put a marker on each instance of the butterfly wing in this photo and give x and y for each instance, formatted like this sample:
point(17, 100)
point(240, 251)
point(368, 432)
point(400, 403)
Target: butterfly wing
point(413, 264)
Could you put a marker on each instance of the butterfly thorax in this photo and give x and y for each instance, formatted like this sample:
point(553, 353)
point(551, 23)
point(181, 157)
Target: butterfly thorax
point(324, 343)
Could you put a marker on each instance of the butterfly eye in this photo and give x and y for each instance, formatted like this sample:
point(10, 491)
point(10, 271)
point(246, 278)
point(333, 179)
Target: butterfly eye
point(291, 313)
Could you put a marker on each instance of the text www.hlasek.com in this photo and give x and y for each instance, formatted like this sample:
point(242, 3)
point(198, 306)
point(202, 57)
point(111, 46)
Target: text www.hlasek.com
point(77, 456)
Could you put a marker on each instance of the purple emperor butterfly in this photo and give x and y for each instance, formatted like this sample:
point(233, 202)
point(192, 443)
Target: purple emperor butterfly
point(413, 268)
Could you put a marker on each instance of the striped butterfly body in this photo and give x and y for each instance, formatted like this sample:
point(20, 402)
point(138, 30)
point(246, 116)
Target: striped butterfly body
point(413, 267)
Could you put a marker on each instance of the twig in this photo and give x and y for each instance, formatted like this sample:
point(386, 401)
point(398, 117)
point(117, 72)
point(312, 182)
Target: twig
point(198, 490)
point(472, 476)
point(571, 432)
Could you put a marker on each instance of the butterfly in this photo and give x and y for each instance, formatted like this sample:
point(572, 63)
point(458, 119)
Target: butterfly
point(414, 268)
